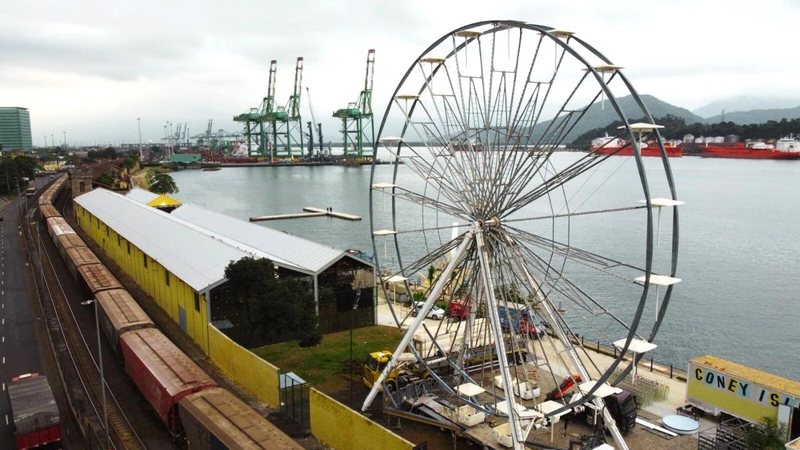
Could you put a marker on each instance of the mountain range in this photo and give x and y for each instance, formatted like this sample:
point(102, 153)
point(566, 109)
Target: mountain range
point(601, 114)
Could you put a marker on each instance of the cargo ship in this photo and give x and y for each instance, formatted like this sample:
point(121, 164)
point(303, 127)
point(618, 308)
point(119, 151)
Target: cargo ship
point(784, 148)
point(620, 147)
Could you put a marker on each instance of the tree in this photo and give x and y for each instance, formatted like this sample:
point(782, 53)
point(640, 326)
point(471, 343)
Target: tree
point(766, 436)
point(128, 162)
point(105, 178)
point(274, 307)
point(162, 183)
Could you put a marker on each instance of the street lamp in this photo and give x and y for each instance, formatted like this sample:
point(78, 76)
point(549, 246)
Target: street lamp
point(100, 360)
point(356, 299)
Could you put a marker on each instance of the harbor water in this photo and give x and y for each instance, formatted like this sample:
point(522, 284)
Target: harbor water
point(739, 252)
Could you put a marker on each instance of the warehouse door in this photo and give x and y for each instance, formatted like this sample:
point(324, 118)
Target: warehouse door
point(182, 318)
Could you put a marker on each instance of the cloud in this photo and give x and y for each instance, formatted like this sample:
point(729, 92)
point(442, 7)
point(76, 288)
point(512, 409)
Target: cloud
point(93, 67)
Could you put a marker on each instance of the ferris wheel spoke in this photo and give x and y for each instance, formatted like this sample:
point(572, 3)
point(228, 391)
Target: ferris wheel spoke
point(586, 257)
point(557, 180)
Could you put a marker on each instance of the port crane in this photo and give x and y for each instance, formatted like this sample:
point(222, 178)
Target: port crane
point(285, 121)
point(254, 118)
point(358, 130)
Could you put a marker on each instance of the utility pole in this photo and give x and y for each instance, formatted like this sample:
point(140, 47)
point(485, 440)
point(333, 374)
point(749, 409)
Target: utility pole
point(139, 121)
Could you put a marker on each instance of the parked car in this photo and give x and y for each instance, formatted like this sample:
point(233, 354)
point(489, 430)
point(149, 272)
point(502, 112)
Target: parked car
point(435, 313)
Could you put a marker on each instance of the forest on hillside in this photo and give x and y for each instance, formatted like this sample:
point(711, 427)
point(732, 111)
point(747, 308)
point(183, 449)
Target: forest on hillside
point(676, 128)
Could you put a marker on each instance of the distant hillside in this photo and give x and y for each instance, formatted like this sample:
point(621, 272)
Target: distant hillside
point(757, 116)
point(599, 117)
point(745, 103)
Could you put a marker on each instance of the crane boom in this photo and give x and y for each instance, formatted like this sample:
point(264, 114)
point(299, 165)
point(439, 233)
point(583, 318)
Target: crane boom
point(293, 108)
point(269, 100)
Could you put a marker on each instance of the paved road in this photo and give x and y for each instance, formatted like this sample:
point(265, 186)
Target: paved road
point(19, 352)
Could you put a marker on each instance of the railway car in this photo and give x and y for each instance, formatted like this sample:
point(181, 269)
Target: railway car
point(47, 211)
point(97, 278)
point(56, 226)
point(77, 257)
point(34, 411)
point(68, 241)
point(163, 373)
point(120, 313)
point(46, 198)
point(215, 419)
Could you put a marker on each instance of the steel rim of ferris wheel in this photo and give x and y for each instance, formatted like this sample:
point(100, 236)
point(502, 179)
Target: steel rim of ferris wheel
point(481, 112)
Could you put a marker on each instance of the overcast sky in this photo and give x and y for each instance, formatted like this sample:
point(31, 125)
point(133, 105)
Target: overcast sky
point(91, 67)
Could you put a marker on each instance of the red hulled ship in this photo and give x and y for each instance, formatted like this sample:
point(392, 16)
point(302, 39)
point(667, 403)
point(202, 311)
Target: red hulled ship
point(785, 148)
point(620, 147)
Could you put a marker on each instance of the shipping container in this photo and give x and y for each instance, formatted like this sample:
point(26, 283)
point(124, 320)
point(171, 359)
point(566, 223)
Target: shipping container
point(97, 278)
point(215, 419)
point(163, 373)
point(79, 256)
point(120, 313)
point(717, 386)
point(34, 410)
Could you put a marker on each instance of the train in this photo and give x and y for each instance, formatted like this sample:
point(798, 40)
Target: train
point(195, 410)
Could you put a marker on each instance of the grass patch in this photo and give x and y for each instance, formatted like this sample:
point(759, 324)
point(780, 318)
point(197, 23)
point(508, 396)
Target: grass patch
point(326, 366)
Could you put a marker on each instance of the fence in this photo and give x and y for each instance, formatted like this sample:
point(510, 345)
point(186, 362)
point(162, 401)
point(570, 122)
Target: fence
point(294, 399)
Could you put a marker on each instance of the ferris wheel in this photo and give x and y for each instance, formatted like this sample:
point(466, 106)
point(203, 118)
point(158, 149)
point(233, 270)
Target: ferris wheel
point(494, 210)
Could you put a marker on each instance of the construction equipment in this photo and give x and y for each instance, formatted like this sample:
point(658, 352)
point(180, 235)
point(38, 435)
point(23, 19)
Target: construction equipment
point(312, 124)
point(358, 130)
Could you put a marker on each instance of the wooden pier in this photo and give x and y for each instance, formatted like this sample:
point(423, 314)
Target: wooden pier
point(310, 211)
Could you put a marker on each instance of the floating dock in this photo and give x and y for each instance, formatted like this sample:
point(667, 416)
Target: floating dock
point(310, 211)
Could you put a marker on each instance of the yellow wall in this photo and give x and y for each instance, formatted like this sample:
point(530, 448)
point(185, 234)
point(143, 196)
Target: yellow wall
point(255, 375)
point(150, 279)
point(339, 427)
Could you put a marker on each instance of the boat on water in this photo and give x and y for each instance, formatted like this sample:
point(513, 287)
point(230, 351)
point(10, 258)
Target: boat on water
point(615, 146)
point(784, 148)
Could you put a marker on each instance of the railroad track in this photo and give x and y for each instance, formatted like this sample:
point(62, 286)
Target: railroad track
point(67, 336)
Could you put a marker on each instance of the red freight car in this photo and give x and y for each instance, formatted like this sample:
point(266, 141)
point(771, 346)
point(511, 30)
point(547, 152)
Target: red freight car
point(48, 211)
point(79, 256)
point(98, 278)
point(214, 418)
point(34, 409)
point(67, 241)
point(120, 313)
point(163, 374)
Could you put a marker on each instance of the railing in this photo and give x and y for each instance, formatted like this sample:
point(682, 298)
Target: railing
point(647, 363)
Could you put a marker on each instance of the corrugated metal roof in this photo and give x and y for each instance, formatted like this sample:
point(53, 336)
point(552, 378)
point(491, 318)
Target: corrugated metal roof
point(141, 195)
point(312, 256)
point(192, 255)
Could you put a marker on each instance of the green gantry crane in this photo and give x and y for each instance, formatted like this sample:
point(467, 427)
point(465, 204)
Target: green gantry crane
point(286, 122)
point(255, 117)
point(358, 129)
